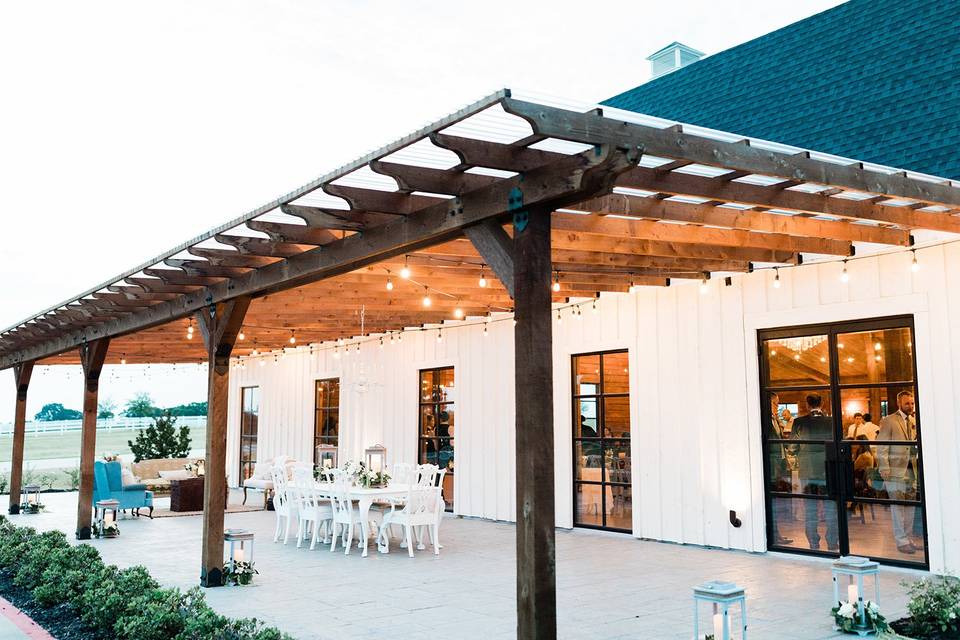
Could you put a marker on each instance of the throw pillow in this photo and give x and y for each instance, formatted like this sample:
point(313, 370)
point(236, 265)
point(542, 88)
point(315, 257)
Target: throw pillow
point(127, 477)
point(176, 474)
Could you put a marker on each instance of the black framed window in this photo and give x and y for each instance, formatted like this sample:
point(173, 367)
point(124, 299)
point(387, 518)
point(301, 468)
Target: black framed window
point(249, 418)
point(326, 421)
point(438, 423)
point(841, 434)
point(602, 486)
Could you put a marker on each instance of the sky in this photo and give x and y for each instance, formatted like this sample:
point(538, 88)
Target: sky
point(127, 128)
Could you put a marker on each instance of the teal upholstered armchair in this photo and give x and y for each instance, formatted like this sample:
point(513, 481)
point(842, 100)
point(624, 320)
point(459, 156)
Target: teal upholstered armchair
point(108, 485)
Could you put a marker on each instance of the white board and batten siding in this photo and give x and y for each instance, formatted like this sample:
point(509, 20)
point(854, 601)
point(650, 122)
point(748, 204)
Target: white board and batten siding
point(694, 392)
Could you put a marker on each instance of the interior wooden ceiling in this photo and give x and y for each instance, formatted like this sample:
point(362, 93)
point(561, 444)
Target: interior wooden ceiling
point(687, 207)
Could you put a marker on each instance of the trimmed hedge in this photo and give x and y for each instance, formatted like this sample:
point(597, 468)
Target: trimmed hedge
point(111, 602)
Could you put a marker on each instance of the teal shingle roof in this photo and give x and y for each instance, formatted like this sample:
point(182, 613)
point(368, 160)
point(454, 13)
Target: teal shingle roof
point(874, 80)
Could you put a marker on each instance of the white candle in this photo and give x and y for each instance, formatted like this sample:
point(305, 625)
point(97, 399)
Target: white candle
point(327, 463)
point(852, 594)
point(718, 627)
point(238, 555)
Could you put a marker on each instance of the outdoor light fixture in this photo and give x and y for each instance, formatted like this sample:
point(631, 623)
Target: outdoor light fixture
point(376, 458)
point(327, 456)
point(381, 342)
point(426, 297)
point(633, 287)
point(844, 276)
point(439, 335)
point(914, 266)
point(240, 549)
point(405, 272)
point(721, 596)
point(293, 337)
point(776, 278)
point(856, 569)
point(704, 284)
point(559, 317)
point(123, 359)
point(594, 305)
point(458, 313)
point(556, 282)
point(483, 281)
point(389, 284)
point(190, 330)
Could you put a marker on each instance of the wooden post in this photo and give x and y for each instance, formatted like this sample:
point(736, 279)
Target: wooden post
point(21, 377)
point(92, 355)
point(219, 326)
point(533, 368)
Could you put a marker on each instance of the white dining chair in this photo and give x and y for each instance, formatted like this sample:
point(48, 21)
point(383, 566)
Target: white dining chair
point(284, 505)
point(314, 509)
point(345, 514)
point(402, 473)
point(416, 512)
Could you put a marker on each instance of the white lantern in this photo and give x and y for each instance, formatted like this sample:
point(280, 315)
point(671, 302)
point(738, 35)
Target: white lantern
point(721, 596)
point(376, 458)
point(855, 569)
point(326, 456)
point(241, 547)
point(30, 498)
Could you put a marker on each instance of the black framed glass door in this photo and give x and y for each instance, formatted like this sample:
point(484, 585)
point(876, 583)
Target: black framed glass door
point(841, 440)
point(437, 424)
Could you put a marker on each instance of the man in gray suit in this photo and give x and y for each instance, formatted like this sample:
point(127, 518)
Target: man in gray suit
point(898, 467)
point(817, 427)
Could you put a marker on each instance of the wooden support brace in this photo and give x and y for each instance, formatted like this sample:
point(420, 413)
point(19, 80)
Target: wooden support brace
point(496, 247)
point(533, 349)
point(219, 325)
point(21, 377)
point(92, 355)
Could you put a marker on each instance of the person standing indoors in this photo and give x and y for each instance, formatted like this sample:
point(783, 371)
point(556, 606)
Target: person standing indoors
point(898, 468)
point(869, 428)
point(854, 429)
point(779, 470)
point(817, 427)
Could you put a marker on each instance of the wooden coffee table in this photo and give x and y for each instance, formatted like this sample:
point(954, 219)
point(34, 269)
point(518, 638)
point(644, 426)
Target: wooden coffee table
point(187, 494)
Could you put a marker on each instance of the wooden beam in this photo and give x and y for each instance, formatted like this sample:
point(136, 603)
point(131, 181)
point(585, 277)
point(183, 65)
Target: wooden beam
point(533, 378)
point(480, 153)
point(411, 178)
point(247, 245)
point(610, 248)
point(325, 218)
point(774, 198)
point(496, 247)
point(576, 178)
point(614, 230)
point(388, 202)
point(219, 325)
point(745, 219)
point(583, 128)
point(92, 356)
point(21, 378)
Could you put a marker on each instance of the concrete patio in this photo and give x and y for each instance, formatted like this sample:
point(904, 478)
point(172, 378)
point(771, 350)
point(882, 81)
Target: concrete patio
point(609, 585)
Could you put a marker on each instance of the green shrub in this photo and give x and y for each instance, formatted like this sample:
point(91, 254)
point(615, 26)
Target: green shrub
point(116, 591)
point(67, 574)
point(158, 614)
point(36, 557)
point(73, 478)
point(4, 483)
point(934, 607)
point(161, 440)
point(13, 544)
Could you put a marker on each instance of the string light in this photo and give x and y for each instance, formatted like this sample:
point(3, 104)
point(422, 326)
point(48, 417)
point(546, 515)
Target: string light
point(914, 265)
point(776, 278)
point(389, 284)
point(483, 281)
point(439, 335)
point(123, 359)
point(293, 337)
point(704, 285)
point(336, 351)
point(190, 330)
point(458, 313)
point(405, 272)
point(576, 312)
point(381, 342)
point(633, 287)
point(844, 276)
point(594, 306)
point(241, 336)
point(559, 317)
point(426, 297)
point(556, 282)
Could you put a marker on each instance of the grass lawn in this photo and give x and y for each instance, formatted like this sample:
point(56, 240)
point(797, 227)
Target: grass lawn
point(49, 446)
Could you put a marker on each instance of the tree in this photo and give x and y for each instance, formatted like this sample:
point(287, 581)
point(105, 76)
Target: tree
point(56, 411)
point(141, 406)
point(162, 439)
point(191, 409)
point(106, 409)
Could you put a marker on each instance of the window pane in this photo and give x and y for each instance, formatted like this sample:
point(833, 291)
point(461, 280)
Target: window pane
point(890, 531)
point(616, 373)
point(446, 386)
point(797, 362)
point(328, 393)
point(428, 421)
point(617, 461)
point(870, 357)
point(586, 372)
point(810, 473)
point(586, 425)
point(791, 405)
point(328, 424)
point(896, 472)
point(588, 459)
point(616, 417)
point(445, 423)
point(874, 404)
point(428, 451)
point(589, 504)
point(445, 455)
point(426, 386)
point(805, 523)
point(619, 507)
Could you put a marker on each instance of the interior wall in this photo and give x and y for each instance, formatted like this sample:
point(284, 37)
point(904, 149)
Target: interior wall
point(695, 412)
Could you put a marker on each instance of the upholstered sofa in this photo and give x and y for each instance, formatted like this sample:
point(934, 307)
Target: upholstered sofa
point(149, 472)
point(261, 480)
point(108, 485)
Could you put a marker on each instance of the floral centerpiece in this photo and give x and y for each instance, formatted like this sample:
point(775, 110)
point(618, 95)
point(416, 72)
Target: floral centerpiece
point(846, 616)
point(365, 477)
point(240, 573)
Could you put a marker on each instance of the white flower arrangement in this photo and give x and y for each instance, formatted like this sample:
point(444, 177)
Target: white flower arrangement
point(846, 616)
point(363, 476)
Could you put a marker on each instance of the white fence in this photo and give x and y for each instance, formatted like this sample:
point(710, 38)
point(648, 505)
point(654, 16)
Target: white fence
point(111, 424)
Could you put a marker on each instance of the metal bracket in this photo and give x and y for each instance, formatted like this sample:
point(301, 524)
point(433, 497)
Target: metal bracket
point(515, 206)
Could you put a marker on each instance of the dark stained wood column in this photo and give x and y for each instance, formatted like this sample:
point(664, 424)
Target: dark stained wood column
point(533, 368)
point(21, 377)
point(219, 325)
point(92, 355)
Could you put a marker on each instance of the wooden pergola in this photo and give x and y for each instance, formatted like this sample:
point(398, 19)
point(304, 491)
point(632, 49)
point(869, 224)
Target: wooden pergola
point(523, 194)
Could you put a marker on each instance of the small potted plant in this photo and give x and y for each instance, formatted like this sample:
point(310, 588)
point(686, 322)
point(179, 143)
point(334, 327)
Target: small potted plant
point(105, 530)
point(846, 617)
point(31, 507)
point(241, 573)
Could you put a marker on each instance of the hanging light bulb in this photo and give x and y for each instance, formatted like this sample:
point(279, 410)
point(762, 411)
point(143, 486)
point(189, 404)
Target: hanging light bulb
point(914, 266)
point(389, 284)
point(405, 272)
point(439, 335)
point(844, 276)
point(633, 287)
point(556, 282)
point(262, 362)
point(704, 285)
point(426, 297)
point(381, 342)
point(241, 336)
point(336, 351)
point(514, 321)
point(190, 330)
point(293, 337)
point(358, 347)
point(559, 317)
point(123, 359)
point(776, 278)
point(458, 313)
point(400, 336)
point(483, 281)
point(485, 325)
point(391, 338)
point(594, 306)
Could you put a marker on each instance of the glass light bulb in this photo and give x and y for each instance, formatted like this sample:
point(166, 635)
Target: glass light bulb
point(458, 313)
point(483, 282)
point(389, 284)
point(427, 301)
point(556, 286)
point(405, 272)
